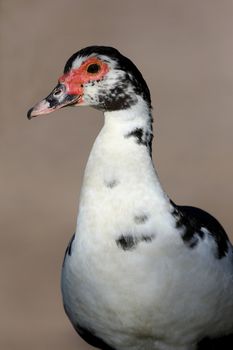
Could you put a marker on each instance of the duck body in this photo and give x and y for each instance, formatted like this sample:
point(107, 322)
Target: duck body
point(140, 272)
point(159, 291)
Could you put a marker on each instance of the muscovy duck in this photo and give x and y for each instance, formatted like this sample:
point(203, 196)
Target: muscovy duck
point(140, 272)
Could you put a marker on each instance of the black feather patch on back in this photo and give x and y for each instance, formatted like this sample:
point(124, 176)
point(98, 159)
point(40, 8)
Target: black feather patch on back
point(193, 220)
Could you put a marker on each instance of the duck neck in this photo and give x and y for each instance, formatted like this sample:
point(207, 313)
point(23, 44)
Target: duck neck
point(120, 160)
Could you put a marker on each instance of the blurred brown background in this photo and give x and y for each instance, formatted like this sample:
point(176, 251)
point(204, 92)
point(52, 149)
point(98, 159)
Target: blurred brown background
point(184, 49)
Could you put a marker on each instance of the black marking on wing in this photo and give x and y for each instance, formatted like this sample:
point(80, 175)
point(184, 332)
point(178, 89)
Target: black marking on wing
point(223, 343)
point(92, 339)
point(69, 248)
point(129, 242)
point(192, 220)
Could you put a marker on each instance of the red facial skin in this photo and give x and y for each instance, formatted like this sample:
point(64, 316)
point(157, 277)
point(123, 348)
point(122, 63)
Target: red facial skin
point(74, 82)
point(76, 78)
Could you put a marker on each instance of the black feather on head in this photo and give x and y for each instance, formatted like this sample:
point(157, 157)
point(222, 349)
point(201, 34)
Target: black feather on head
point(123, 63)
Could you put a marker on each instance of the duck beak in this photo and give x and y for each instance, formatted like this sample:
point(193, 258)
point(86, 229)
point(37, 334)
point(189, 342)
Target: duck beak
point(57, 99)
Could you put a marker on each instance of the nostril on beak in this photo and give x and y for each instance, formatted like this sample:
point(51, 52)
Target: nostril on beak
point(58, 90)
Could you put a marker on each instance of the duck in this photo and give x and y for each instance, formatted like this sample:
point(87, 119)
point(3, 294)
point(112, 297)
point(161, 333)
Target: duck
point(140, 272)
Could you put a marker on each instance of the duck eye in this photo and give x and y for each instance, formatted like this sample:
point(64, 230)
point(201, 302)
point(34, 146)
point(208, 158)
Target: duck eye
point(93, 68)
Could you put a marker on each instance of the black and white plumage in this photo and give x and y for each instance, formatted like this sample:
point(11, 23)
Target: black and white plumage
point(140, 272)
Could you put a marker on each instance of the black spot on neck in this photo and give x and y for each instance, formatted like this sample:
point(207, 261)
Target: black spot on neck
point(129, 242)
point(142, 138)
point(193, 221)
point(138, 134)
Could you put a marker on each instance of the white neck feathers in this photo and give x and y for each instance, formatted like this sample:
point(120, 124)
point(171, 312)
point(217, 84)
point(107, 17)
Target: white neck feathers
point(120, 167)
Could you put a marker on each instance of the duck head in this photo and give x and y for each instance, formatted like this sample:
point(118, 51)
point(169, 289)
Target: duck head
point(97, 76)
